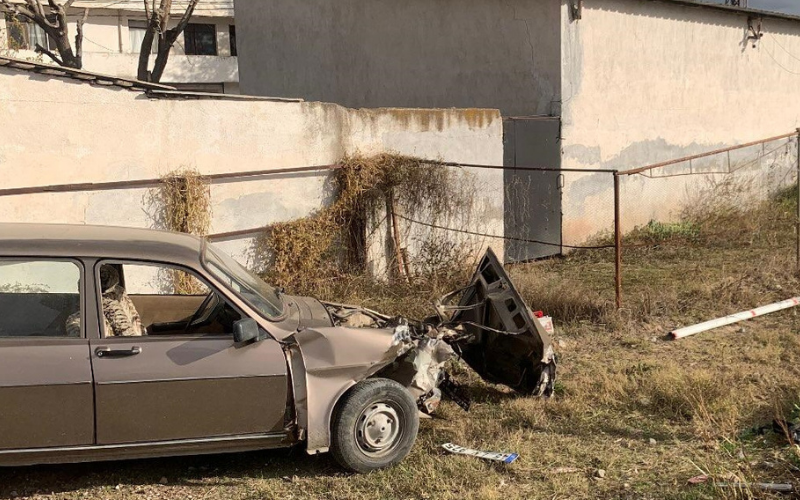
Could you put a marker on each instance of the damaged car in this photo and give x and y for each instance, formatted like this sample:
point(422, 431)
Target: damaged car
point(123, 343)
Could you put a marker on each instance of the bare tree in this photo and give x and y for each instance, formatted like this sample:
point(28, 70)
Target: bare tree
point(54, 23)
point(158, 29)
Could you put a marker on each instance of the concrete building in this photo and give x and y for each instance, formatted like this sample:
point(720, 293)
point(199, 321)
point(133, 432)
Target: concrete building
point(203, 59)
point(113, 130)
point(582, 84)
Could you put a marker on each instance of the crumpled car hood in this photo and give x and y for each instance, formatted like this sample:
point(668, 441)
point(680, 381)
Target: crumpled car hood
point(504, 342)
point(487, 324)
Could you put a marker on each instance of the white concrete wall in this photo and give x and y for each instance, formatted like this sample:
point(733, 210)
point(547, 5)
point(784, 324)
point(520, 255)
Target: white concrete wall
point(59, 131)
point(107, 49)
point(646, 81)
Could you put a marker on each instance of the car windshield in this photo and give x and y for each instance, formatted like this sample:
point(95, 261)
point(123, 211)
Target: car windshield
point(252, 289)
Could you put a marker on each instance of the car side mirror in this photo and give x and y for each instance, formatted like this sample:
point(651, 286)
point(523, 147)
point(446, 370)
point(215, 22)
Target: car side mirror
point(245, 330)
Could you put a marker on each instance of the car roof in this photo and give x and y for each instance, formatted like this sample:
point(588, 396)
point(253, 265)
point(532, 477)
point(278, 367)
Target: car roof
point(69, 240)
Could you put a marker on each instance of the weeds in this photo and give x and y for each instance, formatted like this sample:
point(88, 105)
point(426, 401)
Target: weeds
point(655, 232)
point(316, 254)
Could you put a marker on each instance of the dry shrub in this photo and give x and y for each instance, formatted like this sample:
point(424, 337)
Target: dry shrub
point(185, 198)
point(313, 254)
point(303, 254)
point(182, 203)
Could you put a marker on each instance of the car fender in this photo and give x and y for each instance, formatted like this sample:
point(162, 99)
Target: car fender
point(334, 359)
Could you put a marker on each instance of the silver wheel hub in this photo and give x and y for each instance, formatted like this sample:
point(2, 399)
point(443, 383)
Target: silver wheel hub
point(378, 429)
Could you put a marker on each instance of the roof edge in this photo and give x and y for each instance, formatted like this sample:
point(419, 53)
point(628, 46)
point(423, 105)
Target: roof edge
point(152, 90)
point(79, 74)
point(734, 10)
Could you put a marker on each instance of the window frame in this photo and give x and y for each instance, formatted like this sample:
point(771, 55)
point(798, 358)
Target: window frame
point(193, 31)
point(82, 296)
point(27, 25)
point(152, 263)
point(276, 319)
point(138, 50)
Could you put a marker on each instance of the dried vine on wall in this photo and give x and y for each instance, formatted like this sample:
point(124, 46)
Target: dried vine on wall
point(183, 204)
point(309, 255)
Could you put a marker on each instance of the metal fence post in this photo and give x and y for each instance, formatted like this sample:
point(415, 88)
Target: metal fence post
point(617, 243)
point(797, 222)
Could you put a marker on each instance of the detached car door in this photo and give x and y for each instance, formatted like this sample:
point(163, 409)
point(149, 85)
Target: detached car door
point(45, 375)
point(175, 381)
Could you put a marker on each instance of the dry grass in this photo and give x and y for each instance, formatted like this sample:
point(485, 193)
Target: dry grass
point(182, 203)
point(621, 384)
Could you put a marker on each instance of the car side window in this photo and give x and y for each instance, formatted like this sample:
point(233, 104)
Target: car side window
point(160, 279)
point(144, 299)
point(40, 298)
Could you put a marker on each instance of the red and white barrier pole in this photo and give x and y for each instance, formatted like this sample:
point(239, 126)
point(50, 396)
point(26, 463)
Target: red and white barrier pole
point(734, 318)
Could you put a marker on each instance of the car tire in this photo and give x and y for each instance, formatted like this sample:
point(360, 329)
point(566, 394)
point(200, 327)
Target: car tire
point(374, 426)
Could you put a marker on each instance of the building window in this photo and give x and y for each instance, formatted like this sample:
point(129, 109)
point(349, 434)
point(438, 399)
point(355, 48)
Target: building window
point(233, 40)
point(25, 35)
point(136, 32)
point(200, 40)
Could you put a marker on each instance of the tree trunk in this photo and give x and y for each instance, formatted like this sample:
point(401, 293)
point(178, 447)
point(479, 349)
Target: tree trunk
point(161, 62)
point(169, 37)
point(143, 73)
point(68, 57)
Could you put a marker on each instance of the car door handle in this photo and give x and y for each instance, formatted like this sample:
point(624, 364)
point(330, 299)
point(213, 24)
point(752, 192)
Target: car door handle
point(107, 352)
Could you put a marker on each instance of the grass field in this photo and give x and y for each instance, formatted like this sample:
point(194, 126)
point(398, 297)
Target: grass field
point(649, 412)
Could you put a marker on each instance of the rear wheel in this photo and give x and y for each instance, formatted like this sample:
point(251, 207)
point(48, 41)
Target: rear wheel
point(374, 426)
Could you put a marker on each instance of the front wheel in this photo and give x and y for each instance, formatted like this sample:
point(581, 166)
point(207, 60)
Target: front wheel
point(374, 426)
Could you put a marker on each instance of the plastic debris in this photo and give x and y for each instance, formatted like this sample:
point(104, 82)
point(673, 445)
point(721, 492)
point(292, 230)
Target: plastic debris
point(734, 318)
point(506, 458)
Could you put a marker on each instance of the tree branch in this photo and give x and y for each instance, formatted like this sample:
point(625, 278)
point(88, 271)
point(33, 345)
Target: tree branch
point(168, 40)
point(187, 16)
point(61, 17)
point(58, 31)
point(165, 10)
point(36, 7)
point(40, 17)
point(49, 54)
point(79, 35)
point(17, 9)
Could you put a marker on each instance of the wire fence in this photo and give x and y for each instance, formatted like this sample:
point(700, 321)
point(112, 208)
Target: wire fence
point(723, 209)
point(740, 197)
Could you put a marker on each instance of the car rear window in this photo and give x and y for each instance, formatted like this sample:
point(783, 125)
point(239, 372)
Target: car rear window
point(39, 298)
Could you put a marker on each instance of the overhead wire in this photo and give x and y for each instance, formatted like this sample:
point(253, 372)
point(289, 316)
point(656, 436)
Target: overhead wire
point(775, 40)
point(772, 56)
point(507, 238)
